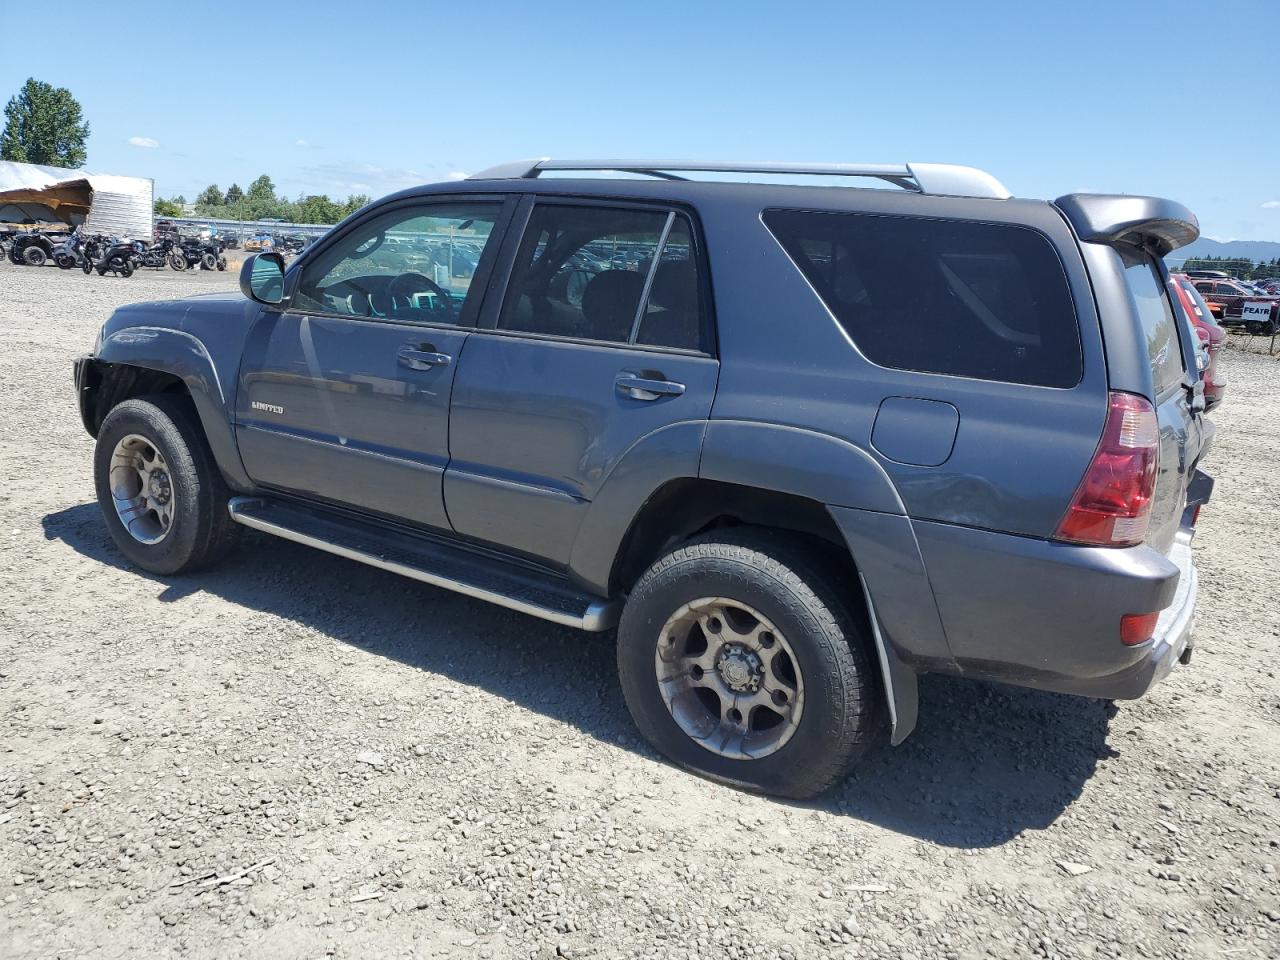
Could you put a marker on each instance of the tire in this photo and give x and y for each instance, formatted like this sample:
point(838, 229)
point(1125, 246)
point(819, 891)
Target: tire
point(177, 261)
point(126, 269)
point(64, 262)
point(199, 531)
point(222, 263)
point(777, 578)
point(208, 261)
point(86, 265)
point(34, 257)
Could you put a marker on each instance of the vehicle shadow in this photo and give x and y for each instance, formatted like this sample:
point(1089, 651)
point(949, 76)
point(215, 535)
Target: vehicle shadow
point(986, 762)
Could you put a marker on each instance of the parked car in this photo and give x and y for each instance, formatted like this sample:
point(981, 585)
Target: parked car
point(1208, 331)
point(1257, 313)
point(920, 429)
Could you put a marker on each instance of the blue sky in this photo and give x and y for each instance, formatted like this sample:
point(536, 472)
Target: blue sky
point(342, 98)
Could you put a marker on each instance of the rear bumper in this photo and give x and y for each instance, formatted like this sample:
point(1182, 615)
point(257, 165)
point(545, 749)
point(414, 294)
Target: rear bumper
point(1047, 615)
point(1171, 642)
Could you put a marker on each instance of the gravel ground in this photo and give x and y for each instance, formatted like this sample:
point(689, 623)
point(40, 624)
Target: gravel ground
point(298, 756)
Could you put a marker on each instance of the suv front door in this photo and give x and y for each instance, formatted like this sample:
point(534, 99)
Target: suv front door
point(344, 392)
point(602, 338)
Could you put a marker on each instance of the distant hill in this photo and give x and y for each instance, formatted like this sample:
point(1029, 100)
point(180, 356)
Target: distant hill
point(1244, 249)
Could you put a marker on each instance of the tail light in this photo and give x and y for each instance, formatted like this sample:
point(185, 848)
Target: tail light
point(1112, 505)
point(1136, 628)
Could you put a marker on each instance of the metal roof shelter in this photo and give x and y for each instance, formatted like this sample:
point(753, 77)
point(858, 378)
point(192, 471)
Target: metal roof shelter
point(102, 203)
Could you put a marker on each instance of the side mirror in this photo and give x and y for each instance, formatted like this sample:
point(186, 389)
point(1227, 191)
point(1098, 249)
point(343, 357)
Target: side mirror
point(262, 278)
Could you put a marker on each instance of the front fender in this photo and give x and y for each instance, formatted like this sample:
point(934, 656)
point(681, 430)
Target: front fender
point(186, 357)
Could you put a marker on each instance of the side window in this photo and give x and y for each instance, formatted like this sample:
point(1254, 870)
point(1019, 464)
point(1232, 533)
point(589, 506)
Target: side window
point(411, 264)
point(981, 300)
point(1158, 324)
point(1205, 288)
point(614, 275)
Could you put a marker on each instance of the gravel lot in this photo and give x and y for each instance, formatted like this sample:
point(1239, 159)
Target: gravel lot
point(299, 756)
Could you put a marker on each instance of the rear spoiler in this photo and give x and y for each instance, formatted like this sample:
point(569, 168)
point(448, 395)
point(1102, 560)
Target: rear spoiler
point(1161, 225)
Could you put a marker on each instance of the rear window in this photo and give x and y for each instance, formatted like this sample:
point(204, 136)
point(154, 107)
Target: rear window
point(981, 300)
point(1158, 324)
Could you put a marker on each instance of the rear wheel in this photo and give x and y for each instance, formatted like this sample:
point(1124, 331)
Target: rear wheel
point(163, 499)
point(738, 661)
point(177, 261)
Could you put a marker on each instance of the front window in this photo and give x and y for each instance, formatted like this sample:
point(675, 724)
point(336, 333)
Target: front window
point(411, 264)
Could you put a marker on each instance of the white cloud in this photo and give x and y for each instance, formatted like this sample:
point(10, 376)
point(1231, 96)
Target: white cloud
point(144, 142)
point(1271, 205)
point(300, 143)
point(458, 175)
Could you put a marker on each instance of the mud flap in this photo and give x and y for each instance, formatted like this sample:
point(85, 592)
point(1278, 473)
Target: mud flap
point(901, 692)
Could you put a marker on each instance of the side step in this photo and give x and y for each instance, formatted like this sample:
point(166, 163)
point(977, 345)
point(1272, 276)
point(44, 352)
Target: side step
point(432, 561)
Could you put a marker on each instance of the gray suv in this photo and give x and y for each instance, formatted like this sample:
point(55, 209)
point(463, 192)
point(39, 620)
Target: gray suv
point(798, 444)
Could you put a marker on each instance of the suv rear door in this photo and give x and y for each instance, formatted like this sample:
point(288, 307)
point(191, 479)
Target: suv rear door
point(1174, 389)
point(601, 339)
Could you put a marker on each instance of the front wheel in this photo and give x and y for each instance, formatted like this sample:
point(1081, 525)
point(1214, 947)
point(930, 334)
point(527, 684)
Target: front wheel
point(209, 261)
point(222, 263)
point(87, 265)
point(739, 661)
point(34, 257)
point(126, 269)
point(163, 499)
point(64, 261)
point(177, 261)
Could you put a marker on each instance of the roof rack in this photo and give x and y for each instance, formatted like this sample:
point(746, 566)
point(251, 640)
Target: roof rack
point(935, 178)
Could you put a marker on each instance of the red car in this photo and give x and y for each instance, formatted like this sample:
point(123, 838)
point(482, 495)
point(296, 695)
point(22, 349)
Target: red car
point(1257, 313)
point(1209, 332)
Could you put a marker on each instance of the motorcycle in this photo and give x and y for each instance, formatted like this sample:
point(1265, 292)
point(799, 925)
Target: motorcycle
point(109, 253)
point(70, 252)
point(159, 254)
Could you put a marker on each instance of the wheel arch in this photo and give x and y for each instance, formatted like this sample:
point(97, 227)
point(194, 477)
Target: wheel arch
point(872, 558)
point(134, 361)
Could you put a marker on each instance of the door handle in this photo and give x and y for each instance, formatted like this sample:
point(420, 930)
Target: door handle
point(423, 357)
point(647, 388)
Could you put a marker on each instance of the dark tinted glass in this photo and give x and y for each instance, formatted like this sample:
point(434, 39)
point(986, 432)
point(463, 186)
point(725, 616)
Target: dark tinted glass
point(981, 300)
point(582, 272)
point(1158, 324)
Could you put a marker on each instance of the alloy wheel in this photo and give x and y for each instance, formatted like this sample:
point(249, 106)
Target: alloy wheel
point(142, 489)
point(729, 678)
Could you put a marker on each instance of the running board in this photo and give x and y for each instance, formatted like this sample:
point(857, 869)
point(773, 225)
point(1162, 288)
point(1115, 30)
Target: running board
point(432, 561)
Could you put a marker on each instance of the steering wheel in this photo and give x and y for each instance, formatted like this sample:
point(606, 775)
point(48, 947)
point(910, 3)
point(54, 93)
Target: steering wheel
point(410, 283)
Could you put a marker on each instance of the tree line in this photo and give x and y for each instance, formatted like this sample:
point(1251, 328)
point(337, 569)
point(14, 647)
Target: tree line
point(260, 202)
point(1237, 267)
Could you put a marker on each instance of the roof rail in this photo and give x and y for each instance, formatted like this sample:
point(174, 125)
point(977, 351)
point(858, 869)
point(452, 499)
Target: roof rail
point(935, 178)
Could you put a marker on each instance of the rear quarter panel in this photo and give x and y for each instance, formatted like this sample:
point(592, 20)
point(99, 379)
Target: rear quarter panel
point(1019, 451)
